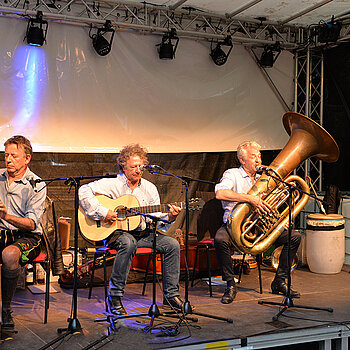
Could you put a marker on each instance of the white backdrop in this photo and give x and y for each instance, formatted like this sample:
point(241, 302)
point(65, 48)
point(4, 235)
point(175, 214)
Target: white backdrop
point(66, 98)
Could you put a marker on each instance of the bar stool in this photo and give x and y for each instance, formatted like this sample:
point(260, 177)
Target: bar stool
point(206, 244)
point(44, 261)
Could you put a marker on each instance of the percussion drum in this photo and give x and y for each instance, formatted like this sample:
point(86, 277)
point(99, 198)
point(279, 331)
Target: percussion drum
point(64, 229)
point(325, 243)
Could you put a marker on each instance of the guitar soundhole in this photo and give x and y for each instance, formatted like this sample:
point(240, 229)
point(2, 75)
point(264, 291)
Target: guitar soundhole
point(121, 213)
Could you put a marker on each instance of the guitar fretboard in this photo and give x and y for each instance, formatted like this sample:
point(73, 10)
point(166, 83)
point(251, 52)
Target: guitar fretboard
point(164, 208)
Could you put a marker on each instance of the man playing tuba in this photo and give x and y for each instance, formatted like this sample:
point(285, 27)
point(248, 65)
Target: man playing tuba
point(232, 189)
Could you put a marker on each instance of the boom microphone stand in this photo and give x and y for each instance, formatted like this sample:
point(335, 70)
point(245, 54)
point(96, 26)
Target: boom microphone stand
point(187, 309)
point(73, 322)
point(153, 311)
point(288, 300)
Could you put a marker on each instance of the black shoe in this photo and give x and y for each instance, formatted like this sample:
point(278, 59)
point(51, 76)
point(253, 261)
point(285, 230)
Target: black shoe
point(7, 320)
point(174, 302)
point(280, 287)
point(115, 306)
point(229, 295)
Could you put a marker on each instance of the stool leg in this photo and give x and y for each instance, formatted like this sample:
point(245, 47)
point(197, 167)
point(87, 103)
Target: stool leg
point(47, 291)
point(34, 272)
point(162, 267)
point(209, 272)
point(241, 269)
point(92, 275)
point(258, 260)
point(146, 274)
point(195, 265)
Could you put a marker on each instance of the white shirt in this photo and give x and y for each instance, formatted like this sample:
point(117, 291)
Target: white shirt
point(146, 193)
point(21, 200)
point(237, 180)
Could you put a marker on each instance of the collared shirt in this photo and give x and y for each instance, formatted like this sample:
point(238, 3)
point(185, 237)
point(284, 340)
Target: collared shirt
point(237, 180)
point(21, 200)
point(146, 193)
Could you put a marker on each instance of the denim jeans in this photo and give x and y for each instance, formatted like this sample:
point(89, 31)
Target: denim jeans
point(126, 246)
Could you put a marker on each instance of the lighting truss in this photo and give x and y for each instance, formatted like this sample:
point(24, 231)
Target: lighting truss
point(143, 17)
point(188, 22)
point(309, 101)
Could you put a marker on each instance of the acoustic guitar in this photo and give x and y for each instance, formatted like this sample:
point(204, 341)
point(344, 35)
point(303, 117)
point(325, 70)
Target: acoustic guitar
point(128, 211)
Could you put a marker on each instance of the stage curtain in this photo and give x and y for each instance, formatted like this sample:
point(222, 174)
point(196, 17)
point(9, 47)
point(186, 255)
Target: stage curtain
point(67, 98)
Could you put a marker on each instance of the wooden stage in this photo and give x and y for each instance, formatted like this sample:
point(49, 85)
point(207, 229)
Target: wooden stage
point(252, 325)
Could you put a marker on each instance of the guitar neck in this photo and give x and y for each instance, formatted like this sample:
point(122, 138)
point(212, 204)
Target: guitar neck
point(164, 208)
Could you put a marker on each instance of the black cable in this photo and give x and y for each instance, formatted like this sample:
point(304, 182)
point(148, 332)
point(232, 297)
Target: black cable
point(174, 329)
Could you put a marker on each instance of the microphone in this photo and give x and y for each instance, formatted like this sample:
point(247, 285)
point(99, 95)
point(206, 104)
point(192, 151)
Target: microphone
point(149, 167)
point(260, 168)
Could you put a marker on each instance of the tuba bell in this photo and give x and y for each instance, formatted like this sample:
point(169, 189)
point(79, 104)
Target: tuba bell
point(254, 233)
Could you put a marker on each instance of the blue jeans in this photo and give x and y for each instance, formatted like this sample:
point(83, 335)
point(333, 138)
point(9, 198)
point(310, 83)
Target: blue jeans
point(126, 246)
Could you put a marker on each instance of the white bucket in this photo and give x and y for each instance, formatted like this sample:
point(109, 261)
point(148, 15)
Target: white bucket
point(325, 243)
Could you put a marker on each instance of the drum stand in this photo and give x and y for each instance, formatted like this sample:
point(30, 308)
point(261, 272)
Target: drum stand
point(288, 300)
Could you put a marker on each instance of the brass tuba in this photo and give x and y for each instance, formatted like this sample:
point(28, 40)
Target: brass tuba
point(254, 233)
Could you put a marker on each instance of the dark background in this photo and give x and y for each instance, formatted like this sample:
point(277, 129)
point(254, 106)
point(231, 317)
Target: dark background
point(337, 113)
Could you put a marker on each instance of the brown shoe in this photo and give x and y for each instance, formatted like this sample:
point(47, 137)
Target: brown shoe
point(115, 306)
point(174, 302)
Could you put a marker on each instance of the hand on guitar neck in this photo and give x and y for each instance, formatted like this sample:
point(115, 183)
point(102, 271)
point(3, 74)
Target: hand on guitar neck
point(174, 211)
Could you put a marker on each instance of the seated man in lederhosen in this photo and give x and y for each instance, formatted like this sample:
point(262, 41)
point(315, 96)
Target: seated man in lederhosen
point(21, 209)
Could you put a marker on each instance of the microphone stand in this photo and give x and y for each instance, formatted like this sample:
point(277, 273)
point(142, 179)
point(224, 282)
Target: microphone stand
point(153, 311)
point(187, 309)
point(288, 300)
point(73, 322)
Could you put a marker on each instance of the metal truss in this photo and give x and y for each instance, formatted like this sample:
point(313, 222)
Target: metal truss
point(146, 18)
point(309, 101)
point(153, 19)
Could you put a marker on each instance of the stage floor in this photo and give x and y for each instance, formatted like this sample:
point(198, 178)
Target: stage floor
point(251, 321)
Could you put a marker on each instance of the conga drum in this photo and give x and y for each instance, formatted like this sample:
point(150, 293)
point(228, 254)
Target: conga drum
point(325, 243)
point(64, 229)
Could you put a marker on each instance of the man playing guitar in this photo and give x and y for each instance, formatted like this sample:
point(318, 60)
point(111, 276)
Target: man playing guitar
point(130, 182)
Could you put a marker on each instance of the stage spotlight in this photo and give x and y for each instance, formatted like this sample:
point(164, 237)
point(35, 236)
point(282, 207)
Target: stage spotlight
point(168, 46)
point(101, 45)
point(36, 30)
point(328, 32)
point(218, 55)
point(269, 55)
